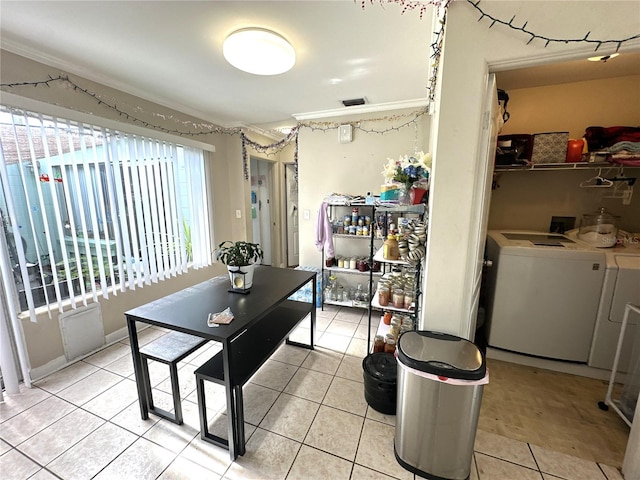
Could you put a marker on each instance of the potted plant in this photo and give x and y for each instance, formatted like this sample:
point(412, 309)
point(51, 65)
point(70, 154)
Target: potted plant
point(240, 258)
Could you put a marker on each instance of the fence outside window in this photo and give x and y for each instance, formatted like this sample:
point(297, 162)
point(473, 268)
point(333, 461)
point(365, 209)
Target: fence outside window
point(90, 211)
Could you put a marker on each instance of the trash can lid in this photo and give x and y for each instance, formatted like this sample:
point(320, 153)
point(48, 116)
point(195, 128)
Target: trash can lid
point(381, 366)
point(441, 354)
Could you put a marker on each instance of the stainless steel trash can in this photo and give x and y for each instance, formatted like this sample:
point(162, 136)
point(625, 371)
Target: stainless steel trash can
point(440, 383)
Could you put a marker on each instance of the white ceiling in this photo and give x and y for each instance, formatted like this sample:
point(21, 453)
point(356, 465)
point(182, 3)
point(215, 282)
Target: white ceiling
point(568, 72)
point(170, 52)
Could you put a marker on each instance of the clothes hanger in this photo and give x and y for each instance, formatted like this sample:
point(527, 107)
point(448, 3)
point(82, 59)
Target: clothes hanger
point(597, 182)
point(622, 188)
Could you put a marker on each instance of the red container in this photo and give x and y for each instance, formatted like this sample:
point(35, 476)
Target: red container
point(574, 150)
point(417, 195)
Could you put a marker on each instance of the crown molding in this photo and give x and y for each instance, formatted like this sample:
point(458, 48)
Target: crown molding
point(360, 109)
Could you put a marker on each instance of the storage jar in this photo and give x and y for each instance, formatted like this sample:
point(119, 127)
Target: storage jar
point(398, 298)
point(383, 296)
point(378, 344)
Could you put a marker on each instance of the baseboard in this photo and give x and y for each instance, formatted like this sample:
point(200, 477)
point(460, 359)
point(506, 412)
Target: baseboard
point(123, 333)
point(553, 365)
point(48, 368)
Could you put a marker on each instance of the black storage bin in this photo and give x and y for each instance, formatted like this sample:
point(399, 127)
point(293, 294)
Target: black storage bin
point(380, 382)
point(518, 153)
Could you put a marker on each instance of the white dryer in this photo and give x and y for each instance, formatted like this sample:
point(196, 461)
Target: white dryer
point(543, 292)
point(621, 285)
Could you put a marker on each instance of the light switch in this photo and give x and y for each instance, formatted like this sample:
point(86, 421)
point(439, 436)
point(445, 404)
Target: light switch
point(306, 215)
point(238, 213)
point(345, 133)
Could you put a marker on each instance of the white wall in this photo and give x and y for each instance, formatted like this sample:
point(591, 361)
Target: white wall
point(527, 200)
point(327, 166)
point(470, 50)
point(574, 106)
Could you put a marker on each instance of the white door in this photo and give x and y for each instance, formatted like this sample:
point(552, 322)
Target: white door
point(291, 204)
point(487, 151)
point(261, 206)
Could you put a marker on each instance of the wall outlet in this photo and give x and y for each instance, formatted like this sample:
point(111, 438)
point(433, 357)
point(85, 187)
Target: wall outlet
point(238, 213)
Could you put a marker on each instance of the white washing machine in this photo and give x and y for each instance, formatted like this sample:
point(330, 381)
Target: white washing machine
point(543, 292)
point(621, 285)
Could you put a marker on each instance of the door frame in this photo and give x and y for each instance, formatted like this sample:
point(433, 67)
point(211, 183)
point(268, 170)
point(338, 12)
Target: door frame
point(271, 196)
point(482, 191)
point(287, 216)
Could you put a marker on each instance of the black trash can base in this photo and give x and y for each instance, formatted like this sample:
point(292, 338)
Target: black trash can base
point(380, 382)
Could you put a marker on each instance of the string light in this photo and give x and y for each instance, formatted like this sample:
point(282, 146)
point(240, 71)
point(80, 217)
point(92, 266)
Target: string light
point(436, 52)
point(268, 149)
point(211, 129)
point(271, 149)
point(423, 5)
point(214, 129)
point(533, 36)
point(409, 4)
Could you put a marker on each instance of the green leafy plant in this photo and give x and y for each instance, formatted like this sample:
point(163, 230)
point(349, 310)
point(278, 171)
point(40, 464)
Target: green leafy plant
point(187, 240)
point(238, 254)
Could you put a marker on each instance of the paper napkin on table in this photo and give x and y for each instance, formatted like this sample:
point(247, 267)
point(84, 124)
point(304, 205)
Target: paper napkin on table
point(222, 318)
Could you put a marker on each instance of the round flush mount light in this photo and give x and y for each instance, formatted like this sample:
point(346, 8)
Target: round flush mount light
point(603, 58)
point(259, 51)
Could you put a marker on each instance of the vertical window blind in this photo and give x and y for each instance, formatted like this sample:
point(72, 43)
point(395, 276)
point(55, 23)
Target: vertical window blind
point(91, 211)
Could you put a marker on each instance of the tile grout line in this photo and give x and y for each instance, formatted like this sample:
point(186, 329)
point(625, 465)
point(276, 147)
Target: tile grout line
point(298, 368)
point(535, 460)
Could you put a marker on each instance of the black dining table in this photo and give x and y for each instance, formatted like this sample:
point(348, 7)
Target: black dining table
point(263, 320)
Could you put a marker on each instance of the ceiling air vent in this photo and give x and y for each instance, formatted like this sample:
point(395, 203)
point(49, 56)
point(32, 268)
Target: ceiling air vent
point(353, 102)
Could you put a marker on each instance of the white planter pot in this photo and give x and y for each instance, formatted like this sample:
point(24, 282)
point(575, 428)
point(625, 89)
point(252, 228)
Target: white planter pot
point(248, 276)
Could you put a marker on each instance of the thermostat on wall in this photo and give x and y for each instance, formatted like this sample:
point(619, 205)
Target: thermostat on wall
point(345, 133)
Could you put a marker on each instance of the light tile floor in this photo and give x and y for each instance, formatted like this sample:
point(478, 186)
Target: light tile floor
point(306, 418)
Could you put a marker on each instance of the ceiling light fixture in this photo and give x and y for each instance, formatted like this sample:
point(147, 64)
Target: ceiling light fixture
point(259, 51)
point(603, 58)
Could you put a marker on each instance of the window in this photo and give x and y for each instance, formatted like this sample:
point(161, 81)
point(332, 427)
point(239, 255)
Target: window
point(90, 211)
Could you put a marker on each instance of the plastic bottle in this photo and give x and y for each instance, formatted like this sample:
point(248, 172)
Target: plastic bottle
point(390, 248)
